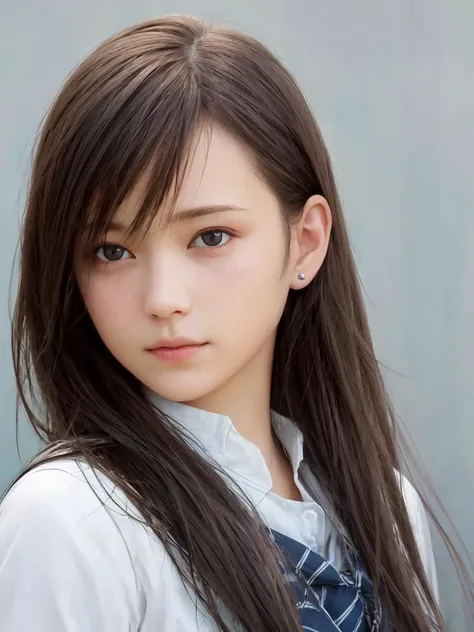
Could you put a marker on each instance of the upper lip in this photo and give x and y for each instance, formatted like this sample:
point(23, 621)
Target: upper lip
point(173, 343)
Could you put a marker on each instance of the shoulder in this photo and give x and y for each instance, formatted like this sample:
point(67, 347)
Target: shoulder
point(69, 486)
point(64, 495)
point(421, 529)
point(67, 539)
point(416, 511)
point(80, 506)
point(65, 503)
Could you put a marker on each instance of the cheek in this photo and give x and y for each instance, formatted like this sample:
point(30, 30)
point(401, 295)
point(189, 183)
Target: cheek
point(108, 302)
point(252, 277)
point(259, 262)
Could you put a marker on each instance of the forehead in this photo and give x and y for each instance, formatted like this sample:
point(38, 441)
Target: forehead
point(219, 171)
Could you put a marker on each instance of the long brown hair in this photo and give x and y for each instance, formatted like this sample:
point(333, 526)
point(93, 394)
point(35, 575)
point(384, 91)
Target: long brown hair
point(130, 108)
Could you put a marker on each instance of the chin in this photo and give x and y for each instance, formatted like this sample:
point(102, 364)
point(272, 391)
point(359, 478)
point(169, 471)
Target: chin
point(182, 389)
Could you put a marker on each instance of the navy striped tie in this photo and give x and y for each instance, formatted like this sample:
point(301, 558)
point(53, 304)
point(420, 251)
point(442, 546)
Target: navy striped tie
point(328, 600)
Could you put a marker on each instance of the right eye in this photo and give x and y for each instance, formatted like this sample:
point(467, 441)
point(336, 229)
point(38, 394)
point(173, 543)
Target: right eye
point(108, 253)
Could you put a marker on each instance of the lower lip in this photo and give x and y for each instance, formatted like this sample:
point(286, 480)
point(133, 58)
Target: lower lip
point(176, 354)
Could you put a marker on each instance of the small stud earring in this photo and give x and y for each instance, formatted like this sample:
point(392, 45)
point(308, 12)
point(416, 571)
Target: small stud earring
point(301, 276)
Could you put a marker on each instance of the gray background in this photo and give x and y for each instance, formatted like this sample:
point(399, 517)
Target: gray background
point(391, 84)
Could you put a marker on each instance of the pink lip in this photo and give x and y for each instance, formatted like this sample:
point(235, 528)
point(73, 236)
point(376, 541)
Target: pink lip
point(176, 350)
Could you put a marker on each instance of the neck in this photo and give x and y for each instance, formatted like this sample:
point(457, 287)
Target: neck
point(246, 400)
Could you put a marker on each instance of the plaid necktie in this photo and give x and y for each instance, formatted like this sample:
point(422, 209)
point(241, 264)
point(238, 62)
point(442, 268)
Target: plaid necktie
point(328, 600)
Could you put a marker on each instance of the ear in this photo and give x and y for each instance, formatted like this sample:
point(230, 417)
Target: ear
point(311, 238)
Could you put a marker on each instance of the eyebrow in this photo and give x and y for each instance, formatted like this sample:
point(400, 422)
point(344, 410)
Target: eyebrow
point(186, 215)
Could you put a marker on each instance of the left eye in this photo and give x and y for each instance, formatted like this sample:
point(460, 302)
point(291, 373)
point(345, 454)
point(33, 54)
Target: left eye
point(212, 239)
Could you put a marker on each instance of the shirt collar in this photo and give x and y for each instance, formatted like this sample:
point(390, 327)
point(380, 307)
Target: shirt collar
point(218, 439)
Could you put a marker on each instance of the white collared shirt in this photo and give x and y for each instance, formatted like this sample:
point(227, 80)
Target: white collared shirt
point(73, 560)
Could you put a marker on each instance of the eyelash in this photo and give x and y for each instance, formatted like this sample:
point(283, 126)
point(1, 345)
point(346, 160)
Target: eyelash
point(225, 231)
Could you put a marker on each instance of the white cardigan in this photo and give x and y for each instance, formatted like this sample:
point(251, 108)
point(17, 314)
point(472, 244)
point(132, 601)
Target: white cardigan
point(72, 559)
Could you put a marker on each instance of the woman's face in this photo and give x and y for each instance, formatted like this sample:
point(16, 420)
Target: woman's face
point(214, 281)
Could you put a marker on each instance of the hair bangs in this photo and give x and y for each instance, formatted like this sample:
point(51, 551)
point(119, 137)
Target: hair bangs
point(141, 148)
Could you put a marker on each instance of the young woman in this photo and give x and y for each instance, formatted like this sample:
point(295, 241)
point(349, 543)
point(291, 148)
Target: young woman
point(191, 341)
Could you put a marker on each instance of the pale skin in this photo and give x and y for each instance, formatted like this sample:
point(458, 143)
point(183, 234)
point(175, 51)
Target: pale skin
point(227, 290)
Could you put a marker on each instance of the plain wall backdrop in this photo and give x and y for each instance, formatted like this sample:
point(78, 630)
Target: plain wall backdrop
point(391, 84)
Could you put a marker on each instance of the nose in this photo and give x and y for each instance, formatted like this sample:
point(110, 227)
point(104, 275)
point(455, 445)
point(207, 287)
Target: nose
point(166, 290)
